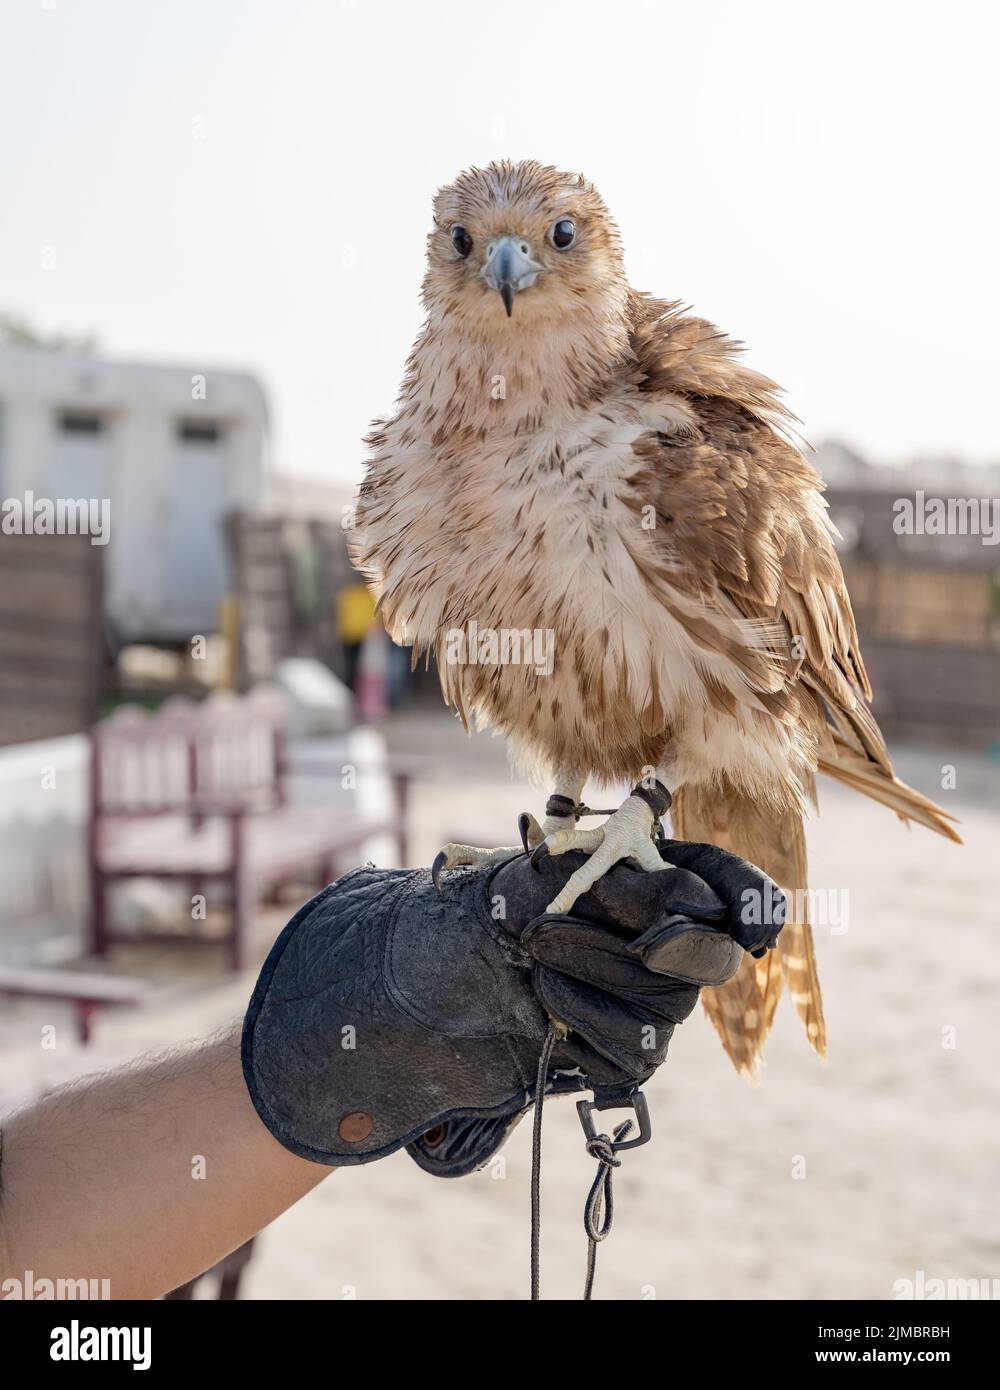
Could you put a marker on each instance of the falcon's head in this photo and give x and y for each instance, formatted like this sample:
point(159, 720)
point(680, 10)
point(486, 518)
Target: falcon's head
point(522, 244)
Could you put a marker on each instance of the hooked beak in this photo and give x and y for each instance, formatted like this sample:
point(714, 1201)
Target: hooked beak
point(509, 267)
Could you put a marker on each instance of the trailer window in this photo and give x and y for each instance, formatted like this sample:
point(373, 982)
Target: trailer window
point(80, 422)
point(199, 431)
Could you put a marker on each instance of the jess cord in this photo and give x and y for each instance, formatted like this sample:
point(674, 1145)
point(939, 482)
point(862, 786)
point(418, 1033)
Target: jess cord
point(76, 1343)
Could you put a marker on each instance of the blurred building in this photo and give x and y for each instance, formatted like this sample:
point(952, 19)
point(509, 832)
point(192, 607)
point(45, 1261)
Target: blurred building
point(927, 604)
point(172, 448)
point(122, 486)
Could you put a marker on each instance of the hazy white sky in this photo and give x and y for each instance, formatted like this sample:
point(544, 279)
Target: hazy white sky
point(248, 182)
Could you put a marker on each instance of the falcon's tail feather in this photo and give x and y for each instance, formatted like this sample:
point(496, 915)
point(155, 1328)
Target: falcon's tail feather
point(859, 772)
point(743, 1009)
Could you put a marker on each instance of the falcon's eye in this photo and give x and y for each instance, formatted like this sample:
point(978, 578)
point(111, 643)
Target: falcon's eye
point(461, 240)
point(563, 234)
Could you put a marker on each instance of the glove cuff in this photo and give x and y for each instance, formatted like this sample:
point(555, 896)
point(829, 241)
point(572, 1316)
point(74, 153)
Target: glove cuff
point(460, 1145)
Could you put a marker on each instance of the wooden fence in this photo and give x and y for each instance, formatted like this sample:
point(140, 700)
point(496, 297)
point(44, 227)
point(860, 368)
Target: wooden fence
point(52, 645)
point(285, 575)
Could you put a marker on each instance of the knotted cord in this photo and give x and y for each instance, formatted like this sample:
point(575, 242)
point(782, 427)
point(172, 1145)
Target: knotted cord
point(599, 1146)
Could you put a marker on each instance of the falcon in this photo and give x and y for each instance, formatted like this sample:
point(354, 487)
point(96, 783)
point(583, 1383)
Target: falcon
point(597, 520)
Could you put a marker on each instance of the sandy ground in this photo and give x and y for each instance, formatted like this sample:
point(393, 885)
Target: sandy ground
point(824, 1181)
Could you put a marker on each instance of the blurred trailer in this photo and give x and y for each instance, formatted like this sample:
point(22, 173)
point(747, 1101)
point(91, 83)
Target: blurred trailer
point(173, 448)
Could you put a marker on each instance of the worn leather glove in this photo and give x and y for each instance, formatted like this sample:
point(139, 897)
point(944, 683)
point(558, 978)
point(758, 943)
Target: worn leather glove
point(386, 1015)
point(754, 904)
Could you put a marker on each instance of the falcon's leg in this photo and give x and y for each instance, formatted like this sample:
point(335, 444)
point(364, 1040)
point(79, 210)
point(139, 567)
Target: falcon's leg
point(627, 835)
point(569, 783)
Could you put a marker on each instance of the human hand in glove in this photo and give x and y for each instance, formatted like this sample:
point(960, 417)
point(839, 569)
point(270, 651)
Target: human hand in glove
point(389, 1015)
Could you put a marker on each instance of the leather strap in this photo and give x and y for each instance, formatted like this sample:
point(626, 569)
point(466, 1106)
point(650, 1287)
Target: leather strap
point(656, 797)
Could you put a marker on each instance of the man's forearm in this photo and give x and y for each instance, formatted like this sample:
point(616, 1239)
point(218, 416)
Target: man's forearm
point(144, 1176)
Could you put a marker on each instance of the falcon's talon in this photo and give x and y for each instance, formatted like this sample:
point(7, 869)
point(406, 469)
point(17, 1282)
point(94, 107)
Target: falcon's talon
point(538, 854)
point(530, 831)
point(627, 835)
point(455, 856)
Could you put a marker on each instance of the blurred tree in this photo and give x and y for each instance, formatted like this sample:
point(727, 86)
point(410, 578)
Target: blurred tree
point(16, 331)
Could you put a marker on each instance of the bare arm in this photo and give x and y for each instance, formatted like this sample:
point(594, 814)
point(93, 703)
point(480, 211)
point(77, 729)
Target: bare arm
point(146, 1175)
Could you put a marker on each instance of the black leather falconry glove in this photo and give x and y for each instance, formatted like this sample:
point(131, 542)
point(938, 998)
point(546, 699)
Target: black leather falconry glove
point(387, 1015)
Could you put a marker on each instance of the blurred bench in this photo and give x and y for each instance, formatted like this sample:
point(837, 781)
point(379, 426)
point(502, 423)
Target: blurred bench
point(86, 993)
point(228, 1271)
point(198, 794)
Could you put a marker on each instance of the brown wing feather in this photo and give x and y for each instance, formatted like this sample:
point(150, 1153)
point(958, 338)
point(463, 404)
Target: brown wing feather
point(741, 516)
point(743, 526)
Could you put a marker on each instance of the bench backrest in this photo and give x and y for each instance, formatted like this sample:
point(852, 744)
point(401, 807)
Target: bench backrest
point(226, 753)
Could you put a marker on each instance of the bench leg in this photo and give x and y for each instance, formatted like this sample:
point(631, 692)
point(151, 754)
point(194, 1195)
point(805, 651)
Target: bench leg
point(232, 1271)
point(401, 791)
point(85, 1011)
point(242, 898)
point(98, 912)
point(238, 921)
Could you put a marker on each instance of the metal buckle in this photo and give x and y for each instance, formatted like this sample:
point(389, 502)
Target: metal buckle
point(637, 1102)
